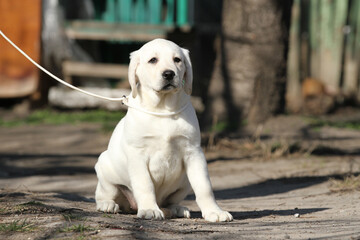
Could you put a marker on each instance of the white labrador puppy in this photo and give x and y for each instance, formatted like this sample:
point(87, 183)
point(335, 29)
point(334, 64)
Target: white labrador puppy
point(152, 160)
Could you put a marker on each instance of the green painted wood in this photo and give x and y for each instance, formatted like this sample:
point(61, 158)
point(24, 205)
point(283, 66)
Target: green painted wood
point(357, 27)
point(170, 12)
point(98, 12)
point(314, 24)
point(325, 23)
point(339, 10)
point(154, 11)
point(327, 19)
point(351, 85)
point(109, 14)
point(124, 10)
point(357, 44)
point(145, 11)
point(333, 18)
point(140, 12)
point(293, 90)
point(181, 12)
point(120, 13)
point(354, 22)
point(314, 37)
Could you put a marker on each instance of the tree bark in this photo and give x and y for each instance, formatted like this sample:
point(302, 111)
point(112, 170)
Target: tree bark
point(249, 77)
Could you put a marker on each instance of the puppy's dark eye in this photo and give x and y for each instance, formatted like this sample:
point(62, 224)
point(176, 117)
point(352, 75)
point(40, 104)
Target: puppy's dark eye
point(176, 59)
point(153, 60)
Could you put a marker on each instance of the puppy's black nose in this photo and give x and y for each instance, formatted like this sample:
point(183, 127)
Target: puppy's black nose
point(168, 75)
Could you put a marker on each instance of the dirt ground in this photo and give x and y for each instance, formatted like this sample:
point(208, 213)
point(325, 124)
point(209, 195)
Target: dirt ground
point(287, 179)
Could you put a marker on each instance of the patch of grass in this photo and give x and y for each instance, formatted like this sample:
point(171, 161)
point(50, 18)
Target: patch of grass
point(316, 124)
point(219, 126)
point(276, 146)
point(349, 183)
point(72, 217)
point(32, 203)
point(106, 118)
point(82, 237)
point(355, 125)
point(107, 215)
point(223, 126)
point(16, 226)
point(79, 228)
point(31, 207)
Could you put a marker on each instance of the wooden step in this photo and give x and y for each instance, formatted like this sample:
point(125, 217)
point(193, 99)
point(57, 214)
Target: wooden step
point(100, 70)
point(95, 30)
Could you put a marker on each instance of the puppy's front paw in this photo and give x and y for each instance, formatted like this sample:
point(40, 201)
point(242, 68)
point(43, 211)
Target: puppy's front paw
point(156, 214)
point(218, 216)
point(108, 206)
point(179, 211)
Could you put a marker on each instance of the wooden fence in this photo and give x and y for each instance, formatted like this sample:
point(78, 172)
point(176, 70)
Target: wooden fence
point(324, 52)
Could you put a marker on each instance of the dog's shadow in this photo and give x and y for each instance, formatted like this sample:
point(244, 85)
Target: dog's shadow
point(269, 187)
point(272, 187)
point(242, 215)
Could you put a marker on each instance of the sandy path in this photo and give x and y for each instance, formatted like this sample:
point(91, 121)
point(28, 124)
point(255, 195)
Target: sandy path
point(50, 169)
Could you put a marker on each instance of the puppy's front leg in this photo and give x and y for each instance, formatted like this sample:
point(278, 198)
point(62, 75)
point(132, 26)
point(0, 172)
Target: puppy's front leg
point(143, 190)
point(197, 172)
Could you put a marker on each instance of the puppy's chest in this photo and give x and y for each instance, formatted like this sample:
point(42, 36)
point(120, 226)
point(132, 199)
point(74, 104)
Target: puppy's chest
point(165, 156)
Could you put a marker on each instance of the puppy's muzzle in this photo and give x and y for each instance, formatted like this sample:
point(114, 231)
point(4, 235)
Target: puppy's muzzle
point(168, 75)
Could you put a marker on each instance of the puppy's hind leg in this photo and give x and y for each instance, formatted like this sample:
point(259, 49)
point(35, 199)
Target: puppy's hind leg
point(106, 192)
point(105, 196)
point(173, 203)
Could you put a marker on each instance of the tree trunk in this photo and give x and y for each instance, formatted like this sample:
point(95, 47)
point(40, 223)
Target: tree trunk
point(249, 78)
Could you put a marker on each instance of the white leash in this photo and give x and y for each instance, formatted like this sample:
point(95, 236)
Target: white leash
point(55, 77)
point(124, 99)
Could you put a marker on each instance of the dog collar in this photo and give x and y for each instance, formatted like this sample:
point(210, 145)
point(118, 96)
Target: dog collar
point(125, 101)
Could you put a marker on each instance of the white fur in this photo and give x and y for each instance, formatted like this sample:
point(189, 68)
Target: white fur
point(152, 161)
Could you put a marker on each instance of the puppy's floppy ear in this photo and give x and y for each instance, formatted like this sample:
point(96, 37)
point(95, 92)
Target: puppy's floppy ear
point(134, 62)
point(188, 76)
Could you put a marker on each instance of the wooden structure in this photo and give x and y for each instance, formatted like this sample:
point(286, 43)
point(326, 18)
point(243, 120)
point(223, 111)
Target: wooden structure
point(21, 22)
point(125, 21)
point(324, 49)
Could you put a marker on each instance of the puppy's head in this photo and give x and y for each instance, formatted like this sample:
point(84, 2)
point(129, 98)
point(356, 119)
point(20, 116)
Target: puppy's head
point(160, 66)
